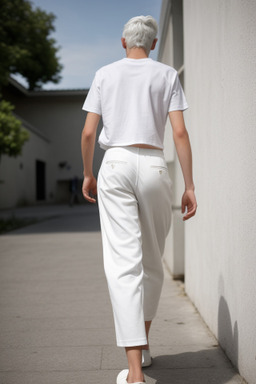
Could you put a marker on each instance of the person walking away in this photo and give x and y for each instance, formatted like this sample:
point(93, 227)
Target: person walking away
point(134, 96)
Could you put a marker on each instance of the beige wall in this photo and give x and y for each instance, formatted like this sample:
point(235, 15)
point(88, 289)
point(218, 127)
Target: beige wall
point(59, 117)
point(62, 119)
point(220, 242)
point(18, 182)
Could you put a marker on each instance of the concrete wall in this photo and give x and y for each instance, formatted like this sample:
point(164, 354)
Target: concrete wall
point(171, 53)
point(18, 175)
point(220, 242)
point(59, 117)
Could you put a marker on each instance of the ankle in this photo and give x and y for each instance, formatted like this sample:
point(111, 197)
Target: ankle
point(135, 380)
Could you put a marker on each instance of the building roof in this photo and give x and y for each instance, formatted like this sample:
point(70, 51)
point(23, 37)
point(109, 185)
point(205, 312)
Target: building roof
point(58, 92)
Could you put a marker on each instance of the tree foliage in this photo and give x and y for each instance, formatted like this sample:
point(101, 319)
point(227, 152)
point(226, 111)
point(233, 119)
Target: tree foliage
point(12, 135)
point(26, 48)
point(25, 44)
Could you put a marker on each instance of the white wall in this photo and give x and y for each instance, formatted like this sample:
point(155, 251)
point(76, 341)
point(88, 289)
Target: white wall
point(220, 242)
point(60, 118)
point(174, 247)
point(18, 174)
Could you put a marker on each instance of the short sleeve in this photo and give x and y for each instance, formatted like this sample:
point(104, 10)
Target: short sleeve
point(93, 100)
point(178, 100)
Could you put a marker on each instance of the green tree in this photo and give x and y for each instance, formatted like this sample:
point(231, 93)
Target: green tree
point(25, 44)
point(12, 135)
point(26, 48)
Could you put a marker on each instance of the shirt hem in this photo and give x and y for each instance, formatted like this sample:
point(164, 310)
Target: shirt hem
point(93, 110)
point(107, 146)
point(178, 108)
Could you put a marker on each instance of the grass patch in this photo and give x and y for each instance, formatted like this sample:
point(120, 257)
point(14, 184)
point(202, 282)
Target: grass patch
point(12, 223)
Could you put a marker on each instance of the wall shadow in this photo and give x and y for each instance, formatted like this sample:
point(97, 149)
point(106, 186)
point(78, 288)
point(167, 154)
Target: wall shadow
point(227, 334)
point(218, 364)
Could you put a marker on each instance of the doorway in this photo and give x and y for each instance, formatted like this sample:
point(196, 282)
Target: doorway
point(40, 180)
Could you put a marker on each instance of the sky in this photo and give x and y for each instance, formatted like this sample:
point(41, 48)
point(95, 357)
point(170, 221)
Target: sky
point(89, 34)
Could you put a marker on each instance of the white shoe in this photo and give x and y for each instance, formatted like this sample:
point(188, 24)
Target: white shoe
point(146, 358)
point(122, 376)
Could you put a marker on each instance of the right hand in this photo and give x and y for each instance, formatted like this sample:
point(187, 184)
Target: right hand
point(89, 188)
point(188, 201)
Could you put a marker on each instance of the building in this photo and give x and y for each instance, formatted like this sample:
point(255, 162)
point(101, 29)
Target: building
point(212, 45)
point(51, 158)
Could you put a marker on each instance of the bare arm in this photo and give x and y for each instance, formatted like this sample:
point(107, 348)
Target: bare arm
point(87, 147)
point(183, 148)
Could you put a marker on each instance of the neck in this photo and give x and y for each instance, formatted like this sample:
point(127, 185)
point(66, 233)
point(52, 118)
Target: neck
point(136, 53)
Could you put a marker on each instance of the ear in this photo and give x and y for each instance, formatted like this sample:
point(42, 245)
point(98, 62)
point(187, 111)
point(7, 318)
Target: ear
point(153, 44)
point(123, 42)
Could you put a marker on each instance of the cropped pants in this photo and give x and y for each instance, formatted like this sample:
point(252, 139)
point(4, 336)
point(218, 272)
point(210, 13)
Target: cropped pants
point(135, 198)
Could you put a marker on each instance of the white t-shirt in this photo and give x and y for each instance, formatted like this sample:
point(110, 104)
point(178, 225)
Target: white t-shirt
point(134, 96)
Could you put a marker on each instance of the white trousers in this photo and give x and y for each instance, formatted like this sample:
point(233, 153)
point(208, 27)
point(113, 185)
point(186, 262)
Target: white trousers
point(135, 197)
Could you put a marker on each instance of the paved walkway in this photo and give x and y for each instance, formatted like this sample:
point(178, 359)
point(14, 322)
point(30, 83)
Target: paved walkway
point(56, 323)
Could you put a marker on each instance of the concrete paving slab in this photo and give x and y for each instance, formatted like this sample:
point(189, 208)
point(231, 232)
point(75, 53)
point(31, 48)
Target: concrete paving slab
point(90, 321)
point(62, 377)
point(50, 358)
point(56, 322)
point(113, 358)
point(193, 376)
point(171, 357)
point(56, 337)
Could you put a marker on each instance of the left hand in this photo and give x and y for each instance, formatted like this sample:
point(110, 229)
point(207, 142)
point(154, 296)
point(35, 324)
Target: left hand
point(188, 201)
point(89, 188)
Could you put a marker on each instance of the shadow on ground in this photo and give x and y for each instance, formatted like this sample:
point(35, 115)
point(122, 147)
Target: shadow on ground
point(202, 367)
point(57, 219)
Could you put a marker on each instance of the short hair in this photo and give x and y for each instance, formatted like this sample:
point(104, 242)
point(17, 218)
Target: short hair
point(140, 31)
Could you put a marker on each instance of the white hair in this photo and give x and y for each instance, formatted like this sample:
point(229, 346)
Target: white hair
point(140, 31)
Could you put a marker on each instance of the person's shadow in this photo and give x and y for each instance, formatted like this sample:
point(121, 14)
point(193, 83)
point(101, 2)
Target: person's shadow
point(207, 366)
